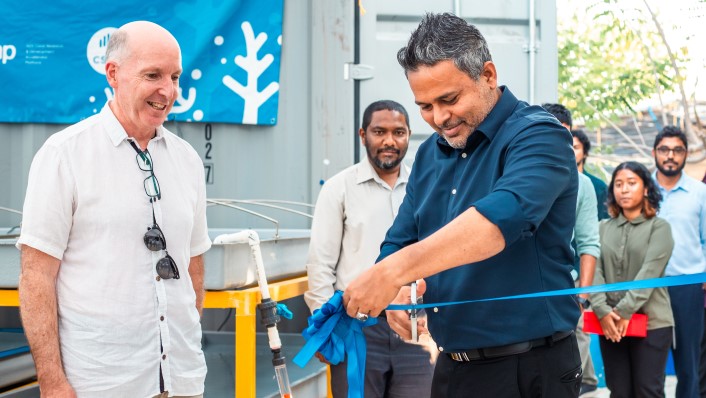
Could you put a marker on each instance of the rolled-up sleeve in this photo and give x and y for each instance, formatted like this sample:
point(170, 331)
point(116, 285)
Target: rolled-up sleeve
point(535, 173)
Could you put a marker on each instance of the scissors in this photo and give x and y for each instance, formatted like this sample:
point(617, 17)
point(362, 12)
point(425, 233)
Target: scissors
point(413, 312)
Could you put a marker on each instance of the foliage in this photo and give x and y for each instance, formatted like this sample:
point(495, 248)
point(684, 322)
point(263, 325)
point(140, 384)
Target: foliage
point(610, 61)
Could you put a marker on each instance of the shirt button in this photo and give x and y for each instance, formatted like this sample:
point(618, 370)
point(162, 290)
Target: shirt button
point(436, 309)
point(453, 191)
point(161, 318)
point(158, 278)
point(441, 349)
point(464, 155)
point(164, 357)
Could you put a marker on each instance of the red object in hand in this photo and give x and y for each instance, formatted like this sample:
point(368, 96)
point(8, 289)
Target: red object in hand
point(636, 328)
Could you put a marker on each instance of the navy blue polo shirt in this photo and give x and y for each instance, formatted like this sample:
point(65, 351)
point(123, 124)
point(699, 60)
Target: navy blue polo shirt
point(519, 171)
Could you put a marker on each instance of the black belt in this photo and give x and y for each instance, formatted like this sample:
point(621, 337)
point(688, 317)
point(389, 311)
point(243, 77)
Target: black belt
point(506, 350)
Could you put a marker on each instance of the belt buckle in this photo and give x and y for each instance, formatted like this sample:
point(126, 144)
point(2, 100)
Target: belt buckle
point(460, 357)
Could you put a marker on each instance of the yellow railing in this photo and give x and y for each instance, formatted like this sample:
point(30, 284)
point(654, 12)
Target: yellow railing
point(245, 304)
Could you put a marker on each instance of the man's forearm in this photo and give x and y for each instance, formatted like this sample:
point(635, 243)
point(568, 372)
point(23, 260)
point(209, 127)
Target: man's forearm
point(38, 308)
point(445, 250)
point(587, 270)
point(196, 272)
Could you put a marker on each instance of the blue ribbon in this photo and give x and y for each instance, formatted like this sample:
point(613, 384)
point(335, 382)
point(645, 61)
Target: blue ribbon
point(336, 335)
point(284, 311)
point(611, 287)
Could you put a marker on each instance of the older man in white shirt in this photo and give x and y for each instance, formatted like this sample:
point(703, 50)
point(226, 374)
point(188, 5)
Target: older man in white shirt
point(107, 310)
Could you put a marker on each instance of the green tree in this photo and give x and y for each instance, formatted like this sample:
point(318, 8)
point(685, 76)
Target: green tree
point(609, 61)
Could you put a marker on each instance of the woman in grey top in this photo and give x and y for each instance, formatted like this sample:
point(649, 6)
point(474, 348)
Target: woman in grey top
point(635, 244)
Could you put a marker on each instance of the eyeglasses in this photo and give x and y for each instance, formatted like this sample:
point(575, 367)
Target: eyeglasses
point(678, 151)
point(151, 184)
point(154, 237)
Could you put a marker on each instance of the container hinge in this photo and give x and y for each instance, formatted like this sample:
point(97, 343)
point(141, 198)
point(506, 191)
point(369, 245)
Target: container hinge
point(357, 71)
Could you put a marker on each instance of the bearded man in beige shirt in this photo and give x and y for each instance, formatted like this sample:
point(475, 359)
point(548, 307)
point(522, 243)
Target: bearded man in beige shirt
point(353, 212)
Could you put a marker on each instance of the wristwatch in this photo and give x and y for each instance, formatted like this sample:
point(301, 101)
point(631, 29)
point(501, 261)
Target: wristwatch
point(584, 303)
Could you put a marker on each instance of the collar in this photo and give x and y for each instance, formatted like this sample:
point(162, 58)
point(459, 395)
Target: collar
point(115, 131)
point(682, 184)
point(366, 172)
point(635, 221)
point(492, 123)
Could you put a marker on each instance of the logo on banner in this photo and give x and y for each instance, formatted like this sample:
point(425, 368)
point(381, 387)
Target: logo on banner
point(95, 50)
point(7, 52)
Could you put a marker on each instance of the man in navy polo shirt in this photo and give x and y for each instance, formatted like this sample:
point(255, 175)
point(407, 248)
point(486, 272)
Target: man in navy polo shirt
point(489, 211)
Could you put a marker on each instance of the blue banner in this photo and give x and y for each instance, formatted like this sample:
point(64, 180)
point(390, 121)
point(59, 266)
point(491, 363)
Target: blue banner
point(52, 66)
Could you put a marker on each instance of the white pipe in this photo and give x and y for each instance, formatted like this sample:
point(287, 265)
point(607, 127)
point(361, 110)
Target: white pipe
point(457, 8)
point(532, 49)
point(253, 239)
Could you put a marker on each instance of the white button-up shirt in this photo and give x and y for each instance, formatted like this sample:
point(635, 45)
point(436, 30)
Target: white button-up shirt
point(86, 205)
point(354, 210)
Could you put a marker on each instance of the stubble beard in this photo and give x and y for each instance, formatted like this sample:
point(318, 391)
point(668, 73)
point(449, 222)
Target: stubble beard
point(472, 122)
point(670, 172)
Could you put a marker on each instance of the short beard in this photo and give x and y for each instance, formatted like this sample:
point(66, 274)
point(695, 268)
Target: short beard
point(458, 143)
point(385, 165)
point(667, 172)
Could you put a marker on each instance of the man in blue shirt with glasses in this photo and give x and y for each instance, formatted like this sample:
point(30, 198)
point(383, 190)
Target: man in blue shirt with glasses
point(489, 211)
point(684, 206)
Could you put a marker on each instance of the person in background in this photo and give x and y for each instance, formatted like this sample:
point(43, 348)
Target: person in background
point(489, 210)
point(587, 249)
point(635, 245)
point(684, 207)
point(354, 210)
point(582, 146)
point(107, 310)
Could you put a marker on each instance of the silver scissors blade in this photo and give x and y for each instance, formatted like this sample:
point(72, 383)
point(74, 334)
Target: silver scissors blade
point(413, 311)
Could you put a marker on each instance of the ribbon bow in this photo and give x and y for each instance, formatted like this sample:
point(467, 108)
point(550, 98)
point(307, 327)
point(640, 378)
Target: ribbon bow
point(336, 335)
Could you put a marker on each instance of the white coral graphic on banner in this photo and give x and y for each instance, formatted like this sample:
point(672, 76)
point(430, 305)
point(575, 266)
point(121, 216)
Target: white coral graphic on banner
point(254, 68)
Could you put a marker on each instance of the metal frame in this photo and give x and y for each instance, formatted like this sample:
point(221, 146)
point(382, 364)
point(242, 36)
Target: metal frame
point(245, 303)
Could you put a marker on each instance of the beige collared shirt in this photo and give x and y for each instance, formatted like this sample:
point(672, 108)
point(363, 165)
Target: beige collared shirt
point(353, 213)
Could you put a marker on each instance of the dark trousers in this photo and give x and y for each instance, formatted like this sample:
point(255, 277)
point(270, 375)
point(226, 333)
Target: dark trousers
point(634, 367)
point(688, 309)
point(547, 371)
point(393, 367)
point(702, 369)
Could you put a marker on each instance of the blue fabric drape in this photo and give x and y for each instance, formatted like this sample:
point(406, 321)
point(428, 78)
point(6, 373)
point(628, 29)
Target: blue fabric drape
point(336, 336)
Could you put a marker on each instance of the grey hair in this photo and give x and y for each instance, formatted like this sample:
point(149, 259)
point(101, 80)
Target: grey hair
point(441, 37)
point(117, 46)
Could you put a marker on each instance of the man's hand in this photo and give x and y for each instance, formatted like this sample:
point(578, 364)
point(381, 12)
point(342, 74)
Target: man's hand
point(372, 291)
point(321, 358)
point(399, 320)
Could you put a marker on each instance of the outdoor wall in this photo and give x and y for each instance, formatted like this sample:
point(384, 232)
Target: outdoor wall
point(315, 134)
